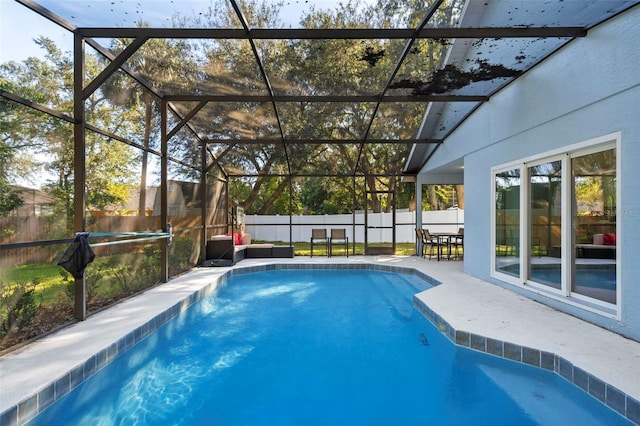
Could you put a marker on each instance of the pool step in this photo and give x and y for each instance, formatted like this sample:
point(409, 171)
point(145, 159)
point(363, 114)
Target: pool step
point(410, 283)
point(399, 296)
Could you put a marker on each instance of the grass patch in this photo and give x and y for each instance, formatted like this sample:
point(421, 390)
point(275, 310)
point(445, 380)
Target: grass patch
point(304, 249)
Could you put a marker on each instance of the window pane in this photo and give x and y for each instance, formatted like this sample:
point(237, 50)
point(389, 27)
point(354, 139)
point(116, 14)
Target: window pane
point(508, 222)
point(545, 208)
point(594, 216)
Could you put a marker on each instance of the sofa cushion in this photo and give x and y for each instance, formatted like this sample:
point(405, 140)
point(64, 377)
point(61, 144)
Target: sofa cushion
point(609, 239)
point(598, 239)
point(237, 238)
point(221, 237)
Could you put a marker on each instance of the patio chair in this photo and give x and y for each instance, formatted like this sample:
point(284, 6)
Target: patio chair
point(339, 236)
point(457, 242)
point(422, 244)
point(319, 236)
point(432, 241)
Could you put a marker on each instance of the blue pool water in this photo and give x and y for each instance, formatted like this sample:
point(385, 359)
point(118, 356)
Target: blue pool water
point(597, 278)
point(309, 347)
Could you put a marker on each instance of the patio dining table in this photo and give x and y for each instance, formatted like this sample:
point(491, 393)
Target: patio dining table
point(445, 238)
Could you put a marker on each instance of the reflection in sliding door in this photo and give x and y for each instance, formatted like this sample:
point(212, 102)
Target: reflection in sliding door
point(507, 228)
point(545, 229)
point(594, 218)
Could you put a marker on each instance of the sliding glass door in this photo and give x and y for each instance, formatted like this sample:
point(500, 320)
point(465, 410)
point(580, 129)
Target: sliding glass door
point(594, 217)
point(507, 222)
point(545, 223)
point(555, 228)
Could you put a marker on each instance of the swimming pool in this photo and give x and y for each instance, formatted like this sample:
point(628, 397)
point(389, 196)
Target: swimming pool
point(317, 347)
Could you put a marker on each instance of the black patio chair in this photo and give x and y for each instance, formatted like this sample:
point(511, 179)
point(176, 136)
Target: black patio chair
point(457, 242)
point(432, 242)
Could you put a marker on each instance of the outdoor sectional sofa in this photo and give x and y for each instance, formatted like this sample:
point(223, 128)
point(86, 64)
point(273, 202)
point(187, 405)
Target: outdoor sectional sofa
point(603, 247)
point(223, 247)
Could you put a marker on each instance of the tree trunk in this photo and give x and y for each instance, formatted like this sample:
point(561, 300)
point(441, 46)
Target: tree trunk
point(432, 197)
point(460, 196)
point(253, 195)
point(272, 199)
point(375, 198)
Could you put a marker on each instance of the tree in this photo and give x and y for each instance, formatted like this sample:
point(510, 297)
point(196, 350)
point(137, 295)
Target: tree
point(38, 141)
point(10, 199)
point(160, 62)
point(310, 67)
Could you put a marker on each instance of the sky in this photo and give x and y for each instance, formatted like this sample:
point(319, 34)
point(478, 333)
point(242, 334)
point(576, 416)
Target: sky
point(19, 26)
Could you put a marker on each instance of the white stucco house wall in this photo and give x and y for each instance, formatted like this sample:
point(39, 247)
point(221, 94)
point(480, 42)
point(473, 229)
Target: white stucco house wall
point(584, 95)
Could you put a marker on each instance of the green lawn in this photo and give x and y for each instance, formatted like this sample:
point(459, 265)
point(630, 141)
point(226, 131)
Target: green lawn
point(48, 278)
point(304, 248)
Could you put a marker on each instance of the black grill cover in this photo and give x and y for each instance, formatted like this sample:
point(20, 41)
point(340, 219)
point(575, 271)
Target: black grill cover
point(77, 255)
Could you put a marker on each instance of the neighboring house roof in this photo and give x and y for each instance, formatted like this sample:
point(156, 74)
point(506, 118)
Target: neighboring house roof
point(34, 202)
point(32, 196)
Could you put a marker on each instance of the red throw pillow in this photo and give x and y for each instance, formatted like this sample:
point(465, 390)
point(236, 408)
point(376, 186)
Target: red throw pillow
point(609, 239)
point(237, 239)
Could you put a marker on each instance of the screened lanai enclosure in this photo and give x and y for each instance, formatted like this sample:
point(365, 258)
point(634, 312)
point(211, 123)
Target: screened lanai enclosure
point(147, 123)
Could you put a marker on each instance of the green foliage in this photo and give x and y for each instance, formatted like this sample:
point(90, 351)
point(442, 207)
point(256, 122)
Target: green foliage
point(124, 277)
point(18, 305)
point(9, 200)
point(314, 194)
point(92, 285)
point(28, 134)
point(437, 197)
point(180, 253)
point(149, 266)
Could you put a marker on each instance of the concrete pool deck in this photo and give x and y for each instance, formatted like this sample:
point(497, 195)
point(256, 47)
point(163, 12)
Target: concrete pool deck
point(466, 303)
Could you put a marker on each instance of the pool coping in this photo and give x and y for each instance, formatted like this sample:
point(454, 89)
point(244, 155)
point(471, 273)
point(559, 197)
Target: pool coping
point(607, 394)
point(29, 407)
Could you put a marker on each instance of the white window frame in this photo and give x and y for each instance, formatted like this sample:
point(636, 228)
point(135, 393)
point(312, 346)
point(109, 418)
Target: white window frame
point(564, 295)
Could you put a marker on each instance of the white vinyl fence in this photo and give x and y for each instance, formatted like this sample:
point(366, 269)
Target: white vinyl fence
point(276, 228)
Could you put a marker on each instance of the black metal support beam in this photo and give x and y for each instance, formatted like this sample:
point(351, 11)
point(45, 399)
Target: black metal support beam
point(164, 193)
point(328, 98)
point(217, 158)
point(79, 169)
point(204, 196)
point(335, 33)
point(321, 141)
point(113, 66)
point(36, 106)
point(305, 175)
point(46, 13)
point(186, 119)
point(120, 139)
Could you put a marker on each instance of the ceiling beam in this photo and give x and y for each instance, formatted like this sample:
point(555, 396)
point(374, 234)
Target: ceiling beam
point(327, 98)
point(335, 33)
point(320, 141)
point(38, 107)
point(305, 175)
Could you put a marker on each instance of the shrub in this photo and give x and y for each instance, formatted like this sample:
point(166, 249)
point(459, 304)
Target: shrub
point(19, 305)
